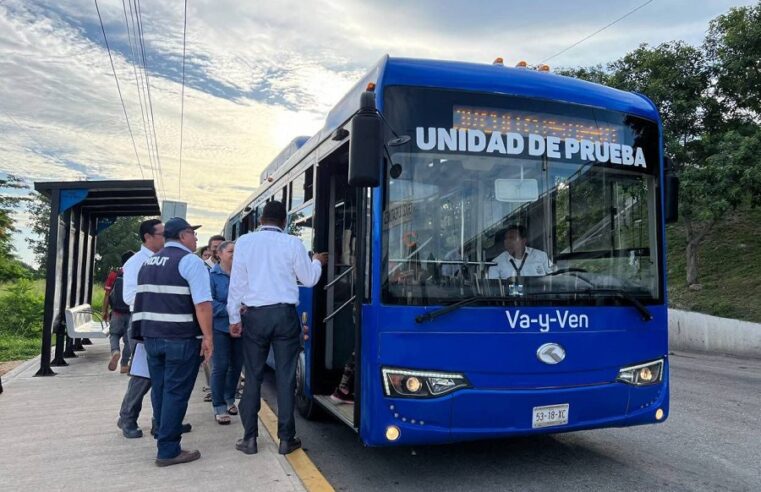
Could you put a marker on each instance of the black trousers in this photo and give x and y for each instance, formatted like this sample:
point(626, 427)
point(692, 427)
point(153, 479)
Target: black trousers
point(276, 326)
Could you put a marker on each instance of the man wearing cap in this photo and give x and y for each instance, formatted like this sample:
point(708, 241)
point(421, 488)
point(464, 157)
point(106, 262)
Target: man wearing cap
point(173, 315)
point(266, 266)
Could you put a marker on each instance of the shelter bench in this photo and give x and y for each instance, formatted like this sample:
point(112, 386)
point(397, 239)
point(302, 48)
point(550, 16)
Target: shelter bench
point(80, 323)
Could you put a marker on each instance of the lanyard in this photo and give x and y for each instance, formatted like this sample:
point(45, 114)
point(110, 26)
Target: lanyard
point(270, 228)
point(519, 268)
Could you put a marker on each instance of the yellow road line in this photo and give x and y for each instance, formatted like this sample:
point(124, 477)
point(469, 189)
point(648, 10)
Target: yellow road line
point(310, 476)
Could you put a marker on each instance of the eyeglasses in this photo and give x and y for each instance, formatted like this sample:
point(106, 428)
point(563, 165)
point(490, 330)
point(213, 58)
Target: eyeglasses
point(195, 234)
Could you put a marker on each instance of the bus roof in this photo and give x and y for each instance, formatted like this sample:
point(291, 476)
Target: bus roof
point(475, 77)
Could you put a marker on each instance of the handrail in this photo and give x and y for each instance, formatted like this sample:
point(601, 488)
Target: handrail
point(334, 313)
point(335, 280)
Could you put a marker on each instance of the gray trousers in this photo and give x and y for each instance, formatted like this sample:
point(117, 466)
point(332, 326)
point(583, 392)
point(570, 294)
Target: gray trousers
point(277, 326)
point(132, 403)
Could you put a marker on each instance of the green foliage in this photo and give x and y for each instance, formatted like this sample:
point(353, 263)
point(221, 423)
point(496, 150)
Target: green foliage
point(597, 74)
point(21, 310)
point(733, 45)
point(709, 99)
point(113, 242)
point(38, 207)
point(10, 267)
point(7, 202)
point(13, 347)
point(675, 77)
point(730, 264)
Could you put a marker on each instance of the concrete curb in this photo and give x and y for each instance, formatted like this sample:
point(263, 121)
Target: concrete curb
point(9, 376)
point(697, 332)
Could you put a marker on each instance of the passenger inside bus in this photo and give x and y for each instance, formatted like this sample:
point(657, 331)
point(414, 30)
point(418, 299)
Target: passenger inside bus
point(519, 260)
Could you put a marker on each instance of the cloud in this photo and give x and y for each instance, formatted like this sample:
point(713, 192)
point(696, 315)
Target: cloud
point(257, 75)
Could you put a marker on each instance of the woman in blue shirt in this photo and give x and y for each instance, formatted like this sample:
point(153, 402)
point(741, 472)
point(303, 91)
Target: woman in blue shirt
point(227, 358)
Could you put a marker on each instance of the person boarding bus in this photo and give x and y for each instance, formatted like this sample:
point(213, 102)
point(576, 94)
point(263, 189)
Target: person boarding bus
point(266, 267)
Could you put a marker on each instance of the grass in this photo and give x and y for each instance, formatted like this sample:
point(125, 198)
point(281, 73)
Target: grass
point(15, 346)
point(38, 287)
point(729, 269)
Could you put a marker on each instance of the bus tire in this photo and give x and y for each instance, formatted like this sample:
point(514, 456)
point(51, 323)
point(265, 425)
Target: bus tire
point(304, 404)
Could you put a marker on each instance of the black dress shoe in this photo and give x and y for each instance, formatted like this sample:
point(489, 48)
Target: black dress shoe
point(184, 457)
point(185, 429)
point(247, 446)
point(289, 446)
point(129, 432)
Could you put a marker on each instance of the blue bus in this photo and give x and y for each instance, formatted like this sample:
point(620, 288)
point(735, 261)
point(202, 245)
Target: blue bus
point(496, 241)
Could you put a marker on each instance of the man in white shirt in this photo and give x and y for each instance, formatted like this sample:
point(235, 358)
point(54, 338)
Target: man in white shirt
point(518, 260)
point(152, 235)
point(266, 267)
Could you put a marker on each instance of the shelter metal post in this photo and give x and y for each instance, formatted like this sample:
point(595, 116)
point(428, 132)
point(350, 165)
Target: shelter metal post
point(68, 352)
point(76, 266)
point(77, 208)
point(91, 233)
point(53, 273)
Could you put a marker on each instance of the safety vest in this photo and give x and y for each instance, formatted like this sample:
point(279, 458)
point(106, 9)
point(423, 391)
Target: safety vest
point(163, 305)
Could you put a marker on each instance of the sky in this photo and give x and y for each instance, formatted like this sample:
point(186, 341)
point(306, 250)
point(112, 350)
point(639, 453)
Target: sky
point(257, 74)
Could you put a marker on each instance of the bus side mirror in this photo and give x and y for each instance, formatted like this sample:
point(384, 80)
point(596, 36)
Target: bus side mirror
point(366, 144)
point(671, 193)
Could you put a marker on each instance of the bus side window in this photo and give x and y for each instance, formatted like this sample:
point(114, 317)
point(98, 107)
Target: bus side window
point(297, 191)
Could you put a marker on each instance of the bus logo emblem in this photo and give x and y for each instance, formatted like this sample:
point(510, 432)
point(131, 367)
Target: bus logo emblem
point(550, 353)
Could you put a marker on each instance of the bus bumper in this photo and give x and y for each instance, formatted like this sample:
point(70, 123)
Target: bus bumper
point(474, 414)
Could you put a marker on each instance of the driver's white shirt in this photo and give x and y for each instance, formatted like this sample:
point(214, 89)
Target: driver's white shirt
point(536, 264)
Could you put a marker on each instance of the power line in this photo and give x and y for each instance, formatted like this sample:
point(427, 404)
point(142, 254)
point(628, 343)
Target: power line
point(182, 98)
point(596, 32)
point(150, 100)
point(118, 88)
point(139, 86)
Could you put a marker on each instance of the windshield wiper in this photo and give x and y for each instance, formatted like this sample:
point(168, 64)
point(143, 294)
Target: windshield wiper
point(422, 318)
point(614, 293)
point(625, 296)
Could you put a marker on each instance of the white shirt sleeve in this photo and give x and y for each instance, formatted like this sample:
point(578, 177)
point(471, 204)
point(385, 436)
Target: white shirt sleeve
point(238, 282)
point(131, 269)
point(307, 271)
point(193, 269)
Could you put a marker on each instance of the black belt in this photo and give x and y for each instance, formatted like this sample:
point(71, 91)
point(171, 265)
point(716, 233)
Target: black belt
point(270, 306)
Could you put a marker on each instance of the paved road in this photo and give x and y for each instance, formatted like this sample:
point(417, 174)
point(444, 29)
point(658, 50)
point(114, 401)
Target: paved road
point(712, 441)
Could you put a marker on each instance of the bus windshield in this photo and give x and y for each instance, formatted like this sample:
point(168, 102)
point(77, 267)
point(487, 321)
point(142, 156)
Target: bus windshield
point(503, 197)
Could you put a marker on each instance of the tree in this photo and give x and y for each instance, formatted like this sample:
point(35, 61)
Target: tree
point(597, 74)
point(122, 236)
point(10, 267)
point(712, 146)
point(38, 207)
point(733, 46)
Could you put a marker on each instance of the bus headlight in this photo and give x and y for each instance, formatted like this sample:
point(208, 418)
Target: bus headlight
point(420, 384)
point(642, 374)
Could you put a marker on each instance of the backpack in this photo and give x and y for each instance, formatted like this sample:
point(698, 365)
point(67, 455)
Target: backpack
point(116, 296)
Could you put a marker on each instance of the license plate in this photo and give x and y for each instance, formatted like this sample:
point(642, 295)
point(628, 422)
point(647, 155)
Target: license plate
point(549, 416)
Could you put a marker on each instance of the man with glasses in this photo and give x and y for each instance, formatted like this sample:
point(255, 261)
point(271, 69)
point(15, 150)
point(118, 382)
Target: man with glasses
point(152, 235)
point(173, 315)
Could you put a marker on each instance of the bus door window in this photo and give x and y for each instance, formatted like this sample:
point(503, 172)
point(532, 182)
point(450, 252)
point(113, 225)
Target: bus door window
point(300, 224)
point(342, 241)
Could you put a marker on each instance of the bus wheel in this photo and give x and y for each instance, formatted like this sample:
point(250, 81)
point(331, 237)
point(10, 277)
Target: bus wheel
point(304, 404)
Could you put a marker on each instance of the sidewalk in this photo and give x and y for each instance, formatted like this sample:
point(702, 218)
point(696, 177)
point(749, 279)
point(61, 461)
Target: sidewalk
point(59, 433)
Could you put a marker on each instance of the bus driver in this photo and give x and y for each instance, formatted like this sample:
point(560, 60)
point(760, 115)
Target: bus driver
point(518, 259)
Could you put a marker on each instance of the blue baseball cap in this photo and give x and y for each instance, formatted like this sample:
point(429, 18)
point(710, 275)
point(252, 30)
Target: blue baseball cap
point(174, 226)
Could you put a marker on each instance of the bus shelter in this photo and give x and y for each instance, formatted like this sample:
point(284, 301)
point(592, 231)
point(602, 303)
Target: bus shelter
point(79, 211)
